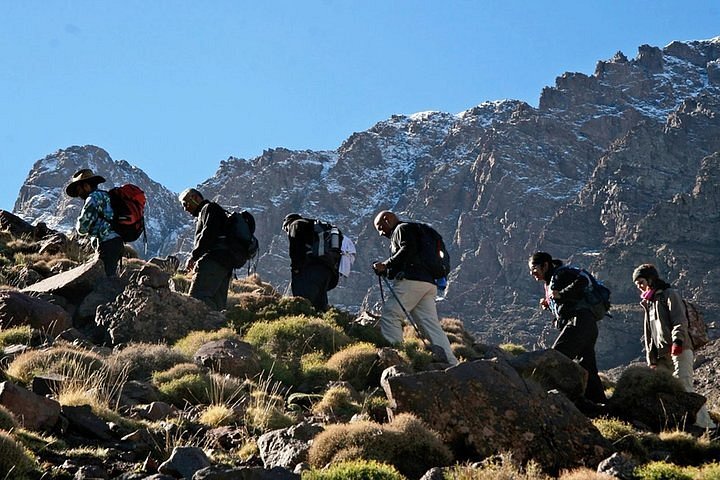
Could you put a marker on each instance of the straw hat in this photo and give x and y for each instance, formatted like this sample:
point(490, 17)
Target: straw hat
point(84, 175)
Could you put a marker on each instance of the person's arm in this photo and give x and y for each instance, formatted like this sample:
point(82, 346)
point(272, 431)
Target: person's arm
point(678, 320)
point(88, 216)
point(405, 246)
point(568, 286)
point(297, 238)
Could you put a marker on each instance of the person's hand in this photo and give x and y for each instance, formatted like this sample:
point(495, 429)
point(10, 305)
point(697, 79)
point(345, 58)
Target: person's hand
point(676, 349)
point(544, 304)
point(380, 268)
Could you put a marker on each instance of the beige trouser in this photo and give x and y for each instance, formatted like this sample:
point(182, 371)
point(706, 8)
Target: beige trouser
point(681, 367)
point(418, 298)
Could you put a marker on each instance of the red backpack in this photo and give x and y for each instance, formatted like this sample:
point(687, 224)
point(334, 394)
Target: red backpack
point(128, 204)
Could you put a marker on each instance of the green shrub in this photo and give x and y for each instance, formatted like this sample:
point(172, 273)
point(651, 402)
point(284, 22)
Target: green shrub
point(266, 410)
point(183, 384)
point(405, 443)
point(191, 343)
point(357, 364)
point(337, 405)
point(685, 449)
point(63, 360)
point(418, 356)
point(513, 348)
point(622, 435)
point(661, 471)
point(21, 335)
point(7, 419)
point(498, 467)
point(355, 470)
point(141, 360)
point(289, 338)
point(286, 307)
point(315, 372)
point(16, 461)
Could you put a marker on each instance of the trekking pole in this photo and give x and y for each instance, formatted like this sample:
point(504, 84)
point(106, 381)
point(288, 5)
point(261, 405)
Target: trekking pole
point(407, 315)
point(382, 295)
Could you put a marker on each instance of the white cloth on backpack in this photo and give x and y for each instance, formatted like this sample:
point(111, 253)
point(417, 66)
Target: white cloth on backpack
point(347, 257)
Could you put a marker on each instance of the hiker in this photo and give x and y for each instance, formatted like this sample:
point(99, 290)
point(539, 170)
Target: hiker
point(413, 286)
point(95, 217)
point(564, 293)
point(311, 277)
point(665, 331)
point(210, 257)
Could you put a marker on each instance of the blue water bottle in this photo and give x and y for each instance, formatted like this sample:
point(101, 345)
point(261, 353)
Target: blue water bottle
point(441, 284)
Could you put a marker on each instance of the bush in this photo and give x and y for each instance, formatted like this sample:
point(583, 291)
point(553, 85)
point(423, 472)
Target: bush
point(191, 343)
point(687, 450)
point(141, 360)
point(622, 435)
point(337, 405)
point(513, 348)
point(266, 411)
point(7, 419)
point(405, 443)
point(315, 372)
point(183, 384)
point(16, 461)
point(63, 360)
point(289, 338)
point(661, 471)
point(357, 364)
point(21, 335)
point(355, 470)
point(497, 467)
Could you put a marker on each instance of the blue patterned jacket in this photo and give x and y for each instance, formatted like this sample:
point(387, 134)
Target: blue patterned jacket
point(94, 219)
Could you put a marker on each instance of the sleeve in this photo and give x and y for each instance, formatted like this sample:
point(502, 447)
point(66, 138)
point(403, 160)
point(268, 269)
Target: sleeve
point(570, 285)
point(677, 317)
point(210, 226)
point(297, 234)
point(88, 216)
point(404, 244)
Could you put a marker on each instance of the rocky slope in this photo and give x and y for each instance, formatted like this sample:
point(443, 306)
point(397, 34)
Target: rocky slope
point(611, 170)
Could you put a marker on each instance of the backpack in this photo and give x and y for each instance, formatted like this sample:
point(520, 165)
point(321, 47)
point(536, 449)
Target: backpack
point(128, 205)
point(326, 245)
point(240, 237)
point(432, 253)
point(597, 295)
point(697, 330)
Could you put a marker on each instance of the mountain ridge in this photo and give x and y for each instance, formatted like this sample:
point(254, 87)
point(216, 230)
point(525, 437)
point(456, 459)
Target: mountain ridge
point(498, 180)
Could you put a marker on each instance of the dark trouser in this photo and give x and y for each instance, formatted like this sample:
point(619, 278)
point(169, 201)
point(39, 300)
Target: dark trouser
point(312, 282)
point(110, 252)
point(577, 341)
point(211, 283)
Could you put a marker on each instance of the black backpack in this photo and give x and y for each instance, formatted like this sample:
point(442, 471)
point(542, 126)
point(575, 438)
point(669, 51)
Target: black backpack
point(240, 237)
point(597, 295)
point(326, 244)
point(432, 253)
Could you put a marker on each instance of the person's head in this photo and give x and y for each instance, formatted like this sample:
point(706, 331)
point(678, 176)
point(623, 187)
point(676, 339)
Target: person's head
point(83, 183)
point(541, 264)
point(385, 222)
point(646, 277)
point(290, 218)
point(191, 200)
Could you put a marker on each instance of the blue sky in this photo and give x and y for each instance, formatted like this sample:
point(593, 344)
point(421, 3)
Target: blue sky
point(175, 87)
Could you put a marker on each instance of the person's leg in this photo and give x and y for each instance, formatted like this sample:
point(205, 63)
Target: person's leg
point(426, 318)
point(110, 252)
point(311, 283)
point(577, 341)
point(210, 279)
point(683, 371)
point(392, 318)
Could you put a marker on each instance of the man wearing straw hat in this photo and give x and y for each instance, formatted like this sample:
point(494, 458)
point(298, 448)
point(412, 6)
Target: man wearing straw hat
point(95, 216)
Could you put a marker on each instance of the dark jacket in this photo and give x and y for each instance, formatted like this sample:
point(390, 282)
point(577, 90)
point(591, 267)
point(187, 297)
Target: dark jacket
point(404, 261)
point(571, 286)
point(301, 235)
point(209, 233)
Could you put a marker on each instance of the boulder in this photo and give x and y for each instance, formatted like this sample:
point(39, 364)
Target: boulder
point(17, 309)
point(245, 473)
point(73, 284)
point(84, 422)
point(231, 357)
point(147, 311)
point(184, 462)
point(288, 446)
point(485, 407)
point(33, 411)
point(552, 370)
